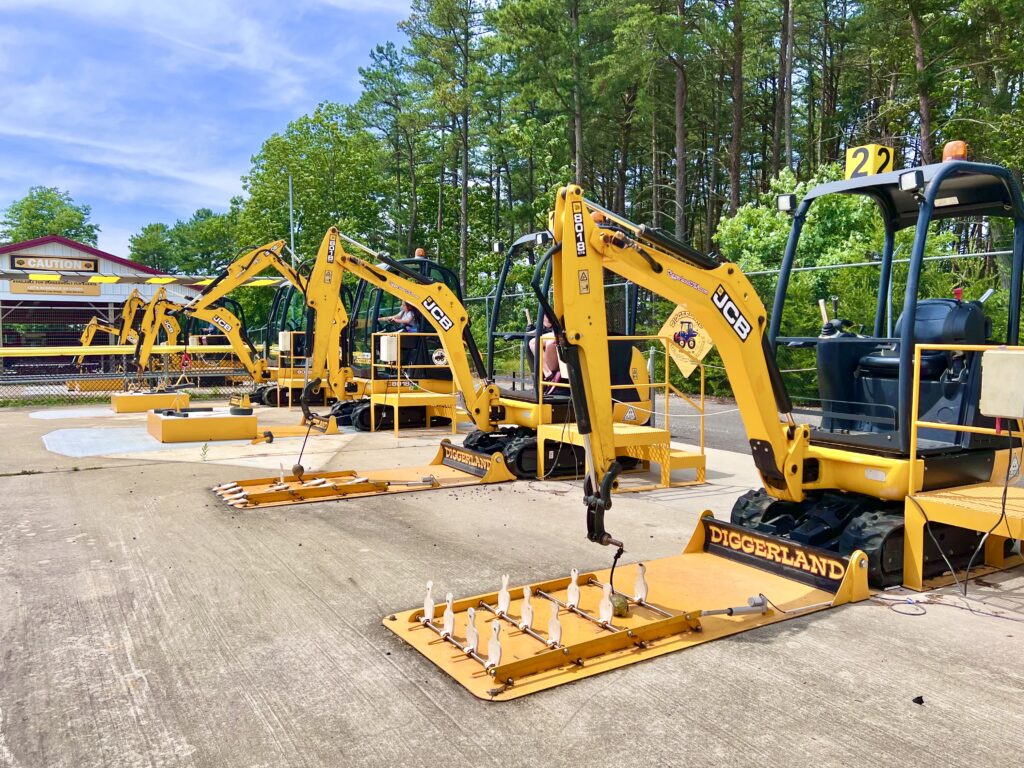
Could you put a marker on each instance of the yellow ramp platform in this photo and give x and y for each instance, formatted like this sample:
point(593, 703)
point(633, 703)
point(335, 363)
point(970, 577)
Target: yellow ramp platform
point(453, 467)
point(140, 402)
point(727, 581)
point(200, 426)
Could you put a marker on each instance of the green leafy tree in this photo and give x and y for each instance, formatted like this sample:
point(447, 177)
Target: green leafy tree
point(337, 167)
point(205, 242)
point(47, 211)
point(444, 38)
point(153, 246)
point(201, 245)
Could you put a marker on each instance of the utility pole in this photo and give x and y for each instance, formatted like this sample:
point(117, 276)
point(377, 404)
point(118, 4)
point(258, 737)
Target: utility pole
point(291, 220)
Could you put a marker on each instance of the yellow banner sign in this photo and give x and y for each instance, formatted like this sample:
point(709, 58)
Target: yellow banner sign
point(55, 263)
point(689, 341)
point(47, 288)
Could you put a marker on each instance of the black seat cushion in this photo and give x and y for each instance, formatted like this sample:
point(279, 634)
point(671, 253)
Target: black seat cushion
point(937, 321)
point(879, 363)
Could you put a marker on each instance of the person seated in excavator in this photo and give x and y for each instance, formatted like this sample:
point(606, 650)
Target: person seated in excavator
point(551, 369)
point(407, 317)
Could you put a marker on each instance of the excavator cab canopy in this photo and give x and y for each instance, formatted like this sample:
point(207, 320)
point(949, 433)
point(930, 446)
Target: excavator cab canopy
point(963, 189)
point(866, 380)
point(371, 304)
point(622, 311)
point(289, 312)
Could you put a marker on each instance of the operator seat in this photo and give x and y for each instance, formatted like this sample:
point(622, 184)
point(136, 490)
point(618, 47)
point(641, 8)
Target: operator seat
point(938, 321)
point(620, 359)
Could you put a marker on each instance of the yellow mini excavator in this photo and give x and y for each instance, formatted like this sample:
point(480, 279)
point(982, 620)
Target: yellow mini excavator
point(159, 319)
point(486, 404)
point(506, 421)
point(849, 500)
point(126, 333)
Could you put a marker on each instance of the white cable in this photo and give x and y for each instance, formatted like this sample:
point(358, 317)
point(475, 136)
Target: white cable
point(672, 415)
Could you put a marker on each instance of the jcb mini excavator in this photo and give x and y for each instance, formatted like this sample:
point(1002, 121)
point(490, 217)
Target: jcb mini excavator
point(518, 442)
point(311, 306)
point(126, 333)
point(158, 319)
point(486, 404)
point(866, 452)
point(491, 408)
point(841, 503)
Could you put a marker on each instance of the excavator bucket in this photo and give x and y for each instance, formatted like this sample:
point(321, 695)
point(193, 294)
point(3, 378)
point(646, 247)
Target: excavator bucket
point(453, 467)
point(518, 641)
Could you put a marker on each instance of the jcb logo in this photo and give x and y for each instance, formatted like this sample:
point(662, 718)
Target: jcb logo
point(578, 229)
point(221, 323)
point(438, 314)
point(731, 313)
point(168, 327)
point(330, 250)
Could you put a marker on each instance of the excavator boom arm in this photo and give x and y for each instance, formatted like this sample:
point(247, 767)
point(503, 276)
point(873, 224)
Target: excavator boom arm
point(161, 311)
point(720, 297)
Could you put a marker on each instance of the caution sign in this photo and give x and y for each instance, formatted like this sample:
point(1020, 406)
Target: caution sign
point(688, 341)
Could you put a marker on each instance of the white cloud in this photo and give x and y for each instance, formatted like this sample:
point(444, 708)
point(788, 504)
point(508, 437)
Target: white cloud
point(115, 240)
point(156, 107)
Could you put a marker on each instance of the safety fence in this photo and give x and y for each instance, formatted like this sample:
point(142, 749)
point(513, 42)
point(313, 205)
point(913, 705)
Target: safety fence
point(62, 382)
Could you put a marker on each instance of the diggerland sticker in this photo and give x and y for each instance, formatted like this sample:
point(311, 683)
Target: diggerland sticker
point(809, 565)
point(468, 461)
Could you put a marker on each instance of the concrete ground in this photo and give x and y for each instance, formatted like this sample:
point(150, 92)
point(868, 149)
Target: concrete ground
point(143, 624)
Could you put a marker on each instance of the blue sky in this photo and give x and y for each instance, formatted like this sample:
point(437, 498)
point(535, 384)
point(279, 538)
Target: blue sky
point(149, 109)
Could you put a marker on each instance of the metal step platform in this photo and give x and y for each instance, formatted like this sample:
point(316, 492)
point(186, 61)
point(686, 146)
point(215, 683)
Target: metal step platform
point(436, 404)
point(976, 507)
point(651, 445)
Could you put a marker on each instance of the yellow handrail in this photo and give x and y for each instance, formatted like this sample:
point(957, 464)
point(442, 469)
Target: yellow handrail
point(916, 423)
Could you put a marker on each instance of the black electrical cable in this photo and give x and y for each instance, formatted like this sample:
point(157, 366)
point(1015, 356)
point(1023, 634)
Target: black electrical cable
point(892, 604)
point(962, 587)
point(928, 528)
point(1000, 519)
point(615, 561)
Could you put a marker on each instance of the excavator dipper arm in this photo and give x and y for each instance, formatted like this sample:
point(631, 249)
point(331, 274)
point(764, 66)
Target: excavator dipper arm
point(129, 310)
point(720, 297)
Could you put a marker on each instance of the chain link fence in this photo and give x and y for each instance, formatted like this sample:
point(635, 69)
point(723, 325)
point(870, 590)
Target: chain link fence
point(48, 382)
point(39, 364)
